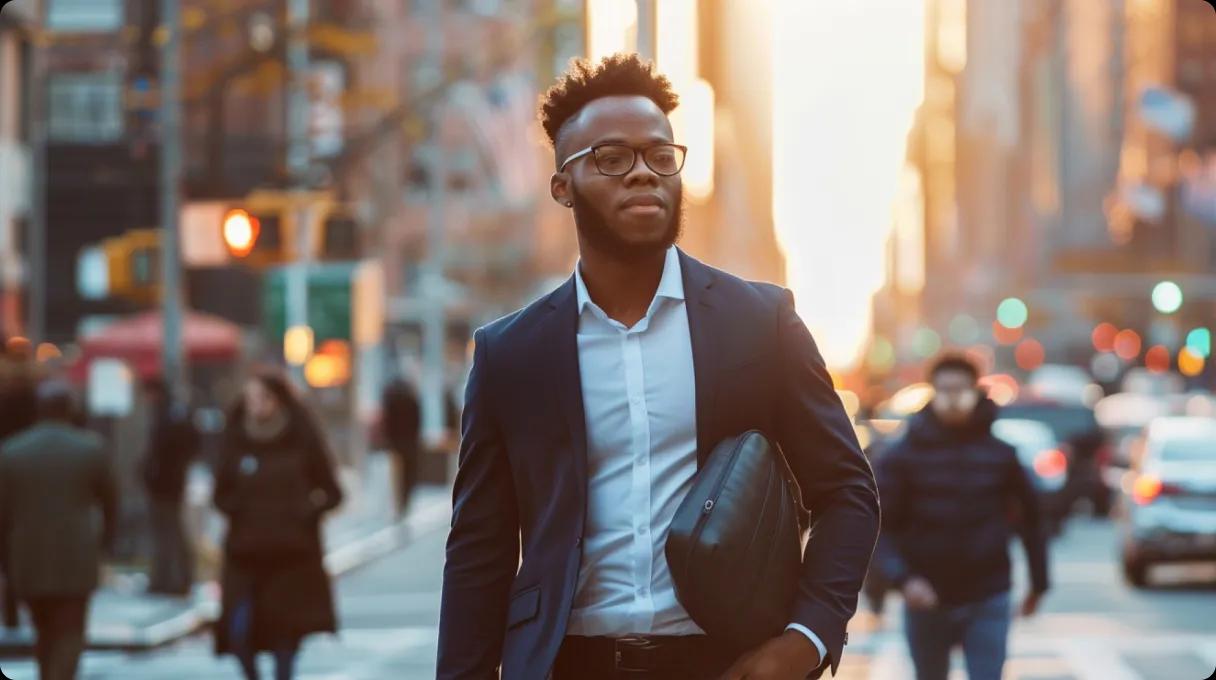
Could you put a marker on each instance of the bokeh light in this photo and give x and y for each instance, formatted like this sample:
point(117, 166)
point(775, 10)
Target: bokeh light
point(1199, 342)
point(1012, 313)
point(1104, 336)
point(1029, 354)
point(1002, 388)
point(1127, 344)
point(1157, 359)
point(1167, 297)
point(1190, 363)
point(1004, 334)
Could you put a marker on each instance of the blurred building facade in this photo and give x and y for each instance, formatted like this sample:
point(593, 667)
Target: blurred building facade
point(15, 34)
point(1060, 157)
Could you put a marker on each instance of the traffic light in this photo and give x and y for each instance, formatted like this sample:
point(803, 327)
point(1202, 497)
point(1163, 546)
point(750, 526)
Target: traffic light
point(240, 231)
point(260, 231)
point(133, 265)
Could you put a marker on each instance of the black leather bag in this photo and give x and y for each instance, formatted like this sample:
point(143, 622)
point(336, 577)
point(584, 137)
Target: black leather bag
point(735, 545)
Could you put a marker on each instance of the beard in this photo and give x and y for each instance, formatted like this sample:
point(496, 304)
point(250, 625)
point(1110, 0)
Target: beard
point(593, 229)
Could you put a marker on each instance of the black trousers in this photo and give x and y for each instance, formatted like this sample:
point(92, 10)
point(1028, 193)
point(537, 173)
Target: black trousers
point(60, 626)
point(172, 558)
point(8, 600)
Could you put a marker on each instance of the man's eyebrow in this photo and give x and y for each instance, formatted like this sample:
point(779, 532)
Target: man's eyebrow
point(625, 142)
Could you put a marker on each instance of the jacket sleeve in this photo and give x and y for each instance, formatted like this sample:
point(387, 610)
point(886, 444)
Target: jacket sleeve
point(1031, 527)
point(892, 484)
point(326, 493)
point(483, 546)
point(225, 496)
point(837, 486)
point(105, 488)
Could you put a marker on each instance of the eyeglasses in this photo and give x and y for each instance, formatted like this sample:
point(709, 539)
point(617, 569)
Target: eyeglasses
point(615, 160)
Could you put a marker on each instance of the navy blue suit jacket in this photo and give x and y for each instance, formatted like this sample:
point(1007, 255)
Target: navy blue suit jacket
point(522, 481)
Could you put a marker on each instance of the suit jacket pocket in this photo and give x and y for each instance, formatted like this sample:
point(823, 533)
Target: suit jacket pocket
point(523, 607)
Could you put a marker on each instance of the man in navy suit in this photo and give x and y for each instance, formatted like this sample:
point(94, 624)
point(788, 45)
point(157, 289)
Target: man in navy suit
point(588, 413)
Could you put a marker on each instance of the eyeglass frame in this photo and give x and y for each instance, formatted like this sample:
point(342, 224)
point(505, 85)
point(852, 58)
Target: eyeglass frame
point(637, 151)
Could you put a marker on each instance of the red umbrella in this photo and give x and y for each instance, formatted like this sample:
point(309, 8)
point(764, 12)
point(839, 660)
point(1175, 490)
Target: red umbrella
point(138, 341)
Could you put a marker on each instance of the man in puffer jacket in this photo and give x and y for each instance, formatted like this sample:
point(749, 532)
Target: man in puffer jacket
point(950, 491)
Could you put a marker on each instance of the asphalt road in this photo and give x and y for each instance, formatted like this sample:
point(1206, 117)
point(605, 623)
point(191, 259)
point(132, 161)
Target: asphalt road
point(1092, 626)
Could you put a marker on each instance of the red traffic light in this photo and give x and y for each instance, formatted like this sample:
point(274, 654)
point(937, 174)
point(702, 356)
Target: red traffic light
point(240, 230)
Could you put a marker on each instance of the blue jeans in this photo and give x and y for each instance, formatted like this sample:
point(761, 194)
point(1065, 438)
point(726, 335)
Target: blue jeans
point(982, 628)
point(241, 632)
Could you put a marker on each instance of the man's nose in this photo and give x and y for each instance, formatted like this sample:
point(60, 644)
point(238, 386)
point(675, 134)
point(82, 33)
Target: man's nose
point(641, 174)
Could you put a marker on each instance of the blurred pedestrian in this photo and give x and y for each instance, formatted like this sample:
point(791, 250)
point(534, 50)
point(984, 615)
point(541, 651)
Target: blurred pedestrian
point(54, 481)
point(275, 480)
point(401, 425)
point(17, 412)
point(588, 413)
point(172, 445)
point(948, 488)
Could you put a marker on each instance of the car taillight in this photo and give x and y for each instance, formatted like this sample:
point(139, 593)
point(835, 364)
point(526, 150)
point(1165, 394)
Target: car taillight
point(1051, 463)
point(1147, 488)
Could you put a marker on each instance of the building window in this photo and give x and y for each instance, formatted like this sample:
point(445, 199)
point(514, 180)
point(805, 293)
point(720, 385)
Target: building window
point(85, 108)
point(99, 16)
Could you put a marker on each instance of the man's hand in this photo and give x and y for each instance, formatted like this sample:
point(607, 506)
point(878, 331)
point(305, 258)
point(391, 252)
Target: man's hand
point(789, 656)
point(1030, 605)
point(919, 593)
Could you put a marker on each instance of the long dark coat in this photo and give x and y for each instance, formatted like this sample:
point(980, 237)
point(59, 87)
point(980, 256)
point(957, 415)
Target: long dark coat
point(275, 494)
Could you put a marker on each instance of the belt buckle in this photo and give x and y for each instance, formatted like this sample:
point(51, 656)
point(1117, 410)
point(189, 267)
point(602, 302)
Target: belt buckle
point(631, 643)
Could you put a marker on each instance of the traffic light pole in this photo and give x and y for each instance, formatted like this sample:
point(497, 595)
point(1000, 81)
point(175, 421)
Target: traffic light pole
point(173, 363)
point(432, 279)
point(297, 163)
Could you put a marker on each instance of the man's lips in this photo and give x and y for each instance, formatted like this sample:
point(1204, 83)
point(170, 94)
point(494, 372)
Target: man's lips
point(643, 205)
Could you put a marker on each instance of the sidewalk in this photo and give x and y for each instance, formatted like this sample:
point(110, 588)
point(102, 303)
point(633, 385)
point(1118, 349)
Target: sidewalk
point(123, 617)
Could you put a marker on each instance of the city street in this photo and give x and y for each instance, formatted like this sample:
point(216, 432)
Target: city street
point(1093, 626)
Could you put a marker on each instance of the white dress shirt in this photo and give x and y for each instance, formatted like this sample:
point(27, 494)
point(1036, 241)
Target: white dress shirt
point(639, 402)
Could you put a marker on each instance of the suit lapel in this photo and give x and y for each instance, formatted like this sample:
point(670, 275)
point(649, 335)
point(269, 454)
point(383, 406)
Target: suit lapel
point(560, 335)
point(701, 308)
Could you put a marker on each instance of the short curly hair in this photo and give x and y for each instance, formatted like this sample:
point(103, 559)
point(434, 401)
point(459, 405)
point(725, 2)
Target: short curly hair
point(614, 75)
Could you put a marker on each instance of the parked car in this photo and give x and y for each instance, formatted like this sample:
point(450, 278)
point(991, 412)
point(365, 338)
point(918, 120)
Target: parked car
point(1084, 442)
point(1047, 464)
point(1062, 383)
point(1171, 498)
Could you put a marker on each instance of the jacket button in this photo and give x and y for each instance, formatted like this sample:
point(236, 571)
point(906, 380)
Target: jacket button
point(578, 542)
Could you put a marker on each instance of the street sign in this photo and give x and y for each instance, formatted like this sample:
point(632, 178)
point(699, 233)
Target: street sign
point(93, 273)
point(111, 389)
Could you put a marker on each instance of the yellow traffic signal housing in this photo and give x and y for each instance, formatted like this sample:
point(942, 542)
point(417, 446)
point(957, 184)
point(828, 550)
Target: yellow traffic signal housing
point(273, 219)
point(133, 263)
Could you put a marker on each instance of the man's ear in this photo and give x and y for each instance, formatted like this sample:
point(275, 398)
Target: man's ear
point(559, 188)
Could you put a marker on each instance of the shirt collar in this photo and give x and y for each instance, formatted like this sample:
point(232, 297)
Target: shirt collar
point(671, 284)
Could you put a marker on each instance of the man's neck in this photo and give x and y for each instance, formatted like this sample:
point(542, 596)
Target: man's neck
point(622, 288)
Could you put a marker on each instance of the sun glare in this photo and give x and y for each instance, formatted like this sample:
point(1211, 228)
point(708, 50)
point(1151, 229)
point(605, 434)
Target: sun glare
point(848, 77)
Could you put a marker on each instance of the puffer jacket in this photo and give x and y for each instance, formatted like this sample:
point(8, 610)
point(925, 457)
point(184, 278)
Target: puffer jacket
point(949, 496)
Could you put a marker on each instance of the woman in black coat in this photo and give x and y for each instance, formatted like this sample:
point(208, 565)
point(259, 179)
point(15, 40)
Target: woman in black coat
point(274, 481)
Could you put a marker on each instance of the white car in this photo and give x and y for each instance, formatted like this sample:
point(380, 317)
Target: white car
point(1044, 459)
point(1171, 497)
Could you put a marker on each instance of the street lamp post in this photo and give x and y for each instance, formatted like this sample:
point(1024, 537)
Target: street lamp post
point(170, 186)
point(296, 303)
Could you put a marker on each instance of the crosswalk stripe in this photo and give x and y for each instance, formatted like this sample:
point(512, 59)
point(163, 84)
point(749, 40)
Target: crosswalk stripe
point(1092, 660)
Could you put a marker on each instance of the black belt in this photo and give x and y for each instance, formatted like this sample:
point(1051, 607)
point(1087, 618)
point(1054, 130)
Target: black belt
point(679, 656)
